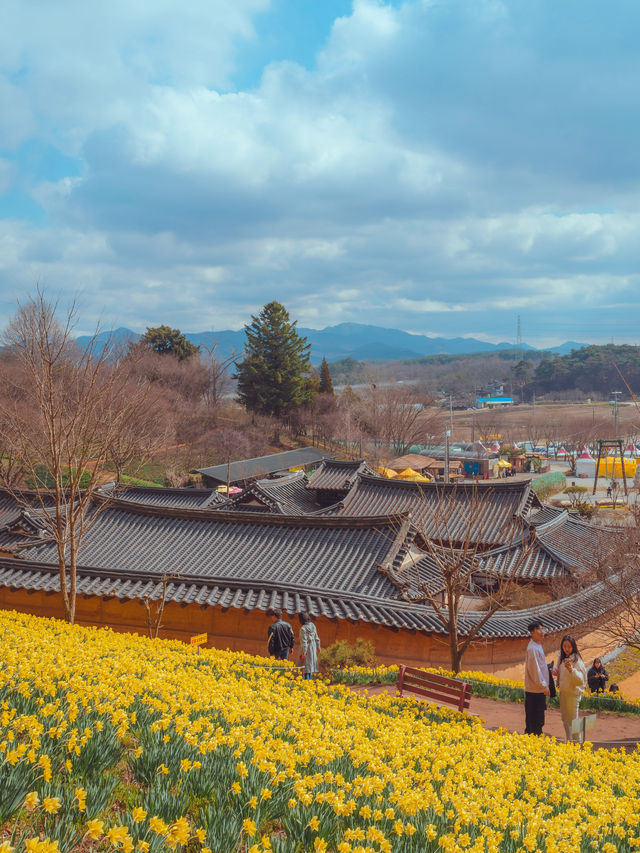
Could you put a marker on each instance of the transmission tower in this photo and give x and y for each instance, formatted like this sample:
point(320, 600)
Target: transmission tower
point(519, 352)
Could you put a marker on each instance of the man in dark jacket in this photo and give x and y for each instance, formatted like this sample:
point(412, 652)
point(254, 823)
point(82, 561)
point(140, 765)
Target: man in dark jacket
point(279, 636)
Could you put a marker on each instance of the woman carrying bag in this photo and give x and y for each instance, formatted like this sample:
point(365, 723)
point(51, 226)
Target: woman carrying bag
point(571, 674)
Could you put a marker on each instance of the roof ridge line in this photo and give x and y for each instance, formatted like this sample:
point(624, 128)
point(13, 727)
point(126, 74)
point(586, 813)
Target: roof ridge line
point(238, 517)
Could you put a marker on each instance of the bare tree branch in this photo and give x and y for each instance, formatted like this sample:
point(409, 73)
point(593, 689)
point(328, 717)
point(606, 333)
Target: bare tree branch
point(64, 409)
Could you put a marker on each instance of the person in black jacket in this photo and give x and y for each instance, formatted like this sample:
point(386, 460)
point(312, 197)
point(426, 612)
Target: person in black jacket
point(597, 677)
point(279, 636)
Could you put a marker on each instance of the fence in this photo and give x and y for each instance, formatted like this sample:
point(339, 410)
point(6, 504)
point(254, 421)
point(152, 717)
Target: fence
point(549, 483)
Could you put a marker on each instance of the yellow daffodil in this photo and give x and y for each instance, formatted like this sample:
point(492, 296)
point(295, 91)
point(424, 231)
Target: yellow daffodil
point(51, 805)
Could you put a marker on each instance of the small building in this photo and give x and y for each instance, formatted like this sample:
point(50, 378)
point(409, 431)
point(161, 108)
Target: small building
point(476, 463)
point(436, 469)
point(493, 402)
point(415, 461)
point(247, 470)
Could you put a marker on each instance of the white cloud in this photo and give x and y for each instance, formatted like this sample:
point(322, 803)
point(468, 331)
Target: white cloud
point(441, 167)
point(84, 66)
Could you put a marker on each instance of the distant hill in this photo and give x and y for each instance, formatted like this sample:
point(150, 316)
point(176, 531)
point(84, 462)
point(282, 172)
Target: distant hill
point(348, 340)
point(592, 369)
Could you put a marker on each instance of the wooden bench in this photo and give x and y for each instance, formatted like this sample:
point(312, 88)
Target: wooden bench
point(449, 691)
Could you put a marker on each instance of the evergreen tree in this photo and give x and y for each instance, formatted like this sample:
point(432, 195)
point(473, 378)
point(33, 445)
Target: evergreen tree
point(273, 377)
point(313, 382)
point(326, 385)
point(168, 341)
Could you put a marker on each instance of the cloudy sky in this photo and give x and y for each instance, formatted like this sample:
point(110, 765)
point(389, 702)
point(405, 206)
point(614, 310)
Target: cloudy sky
point(438, 166)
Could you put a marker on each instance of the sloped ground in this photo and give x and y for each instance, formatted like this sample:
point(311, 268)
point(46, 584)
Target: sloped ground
point(496, 714)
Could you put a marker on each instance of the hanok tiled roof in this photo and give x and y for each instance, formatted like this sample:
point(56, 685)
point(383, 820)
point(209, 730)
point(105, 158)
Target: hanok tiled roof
point(287, 495)
point(519, 562)
point(576, 543)
point(484, 512)
point(251, 469)
point(342, 567)
point(563, 615)
point(523, 564)
point(12, 505)
point(330, 553)
point(338, 476)
point(160, 496)
point(542, 515)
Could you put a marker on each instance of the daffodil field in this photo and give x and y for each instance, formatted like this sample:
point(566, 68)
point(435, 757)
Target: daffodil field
point(116, 742)
point(485, 684)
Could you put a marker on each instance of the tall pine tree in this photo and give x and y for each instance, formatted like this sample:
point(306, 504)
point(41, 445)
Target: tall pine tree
point(326, 385)
point(273, 377)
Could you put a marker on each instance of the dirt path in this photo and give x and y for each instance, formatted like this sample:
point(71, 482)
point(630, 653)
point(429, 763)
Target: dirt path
point(510, 716)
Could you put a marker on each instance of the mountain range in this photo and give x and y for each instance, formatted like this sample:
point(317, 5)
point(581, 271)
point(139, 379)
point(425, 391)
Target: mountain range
point(348, 340)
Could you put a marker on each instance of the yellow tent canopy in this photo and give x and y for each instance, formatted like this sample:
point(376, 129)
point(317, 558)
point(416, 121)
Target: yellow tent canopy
point(416, 476)
point(611, 467)
point(504, 464)
point(386, 472)
point(408, 474)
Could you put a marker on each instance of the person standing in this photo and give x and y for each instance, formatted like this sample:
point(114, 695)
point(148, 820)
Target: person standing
point(536, 680)
point(279, 636)
point(572, 680)
point(309, 645)
point(597, 677)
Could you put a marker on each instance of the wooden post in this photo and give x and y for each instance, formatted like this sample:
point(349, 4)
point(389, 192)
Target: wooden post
point(401, 679)
point(615, 444)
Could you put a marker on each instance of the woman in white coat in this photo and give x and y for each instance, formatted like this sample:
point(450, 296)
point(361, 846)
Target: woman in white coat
point(309, 645)
point(572, 681)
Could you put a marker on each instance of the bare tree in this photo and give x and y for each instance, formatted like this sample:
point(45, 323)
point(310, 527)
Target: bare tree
point(219, 378)
point(151, 431)
point(618, 572)
point(396, 418)
point(12, 472)
point(453, 567)
point(347, 427)
point(155, 609)
point(64, 409)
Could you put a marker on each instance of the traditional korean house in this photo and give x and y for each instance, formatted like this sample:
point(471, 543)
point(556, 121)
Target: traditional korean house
point(361, 570)
point(246, 471)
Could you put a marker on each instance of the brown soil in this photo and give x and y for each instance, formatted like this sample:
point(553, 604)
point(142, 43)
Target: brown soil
point(511, 422)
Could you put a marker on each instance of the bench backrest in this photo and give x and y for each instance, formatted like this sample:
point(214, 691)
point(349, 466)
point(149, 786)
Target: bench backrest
point(438, 687)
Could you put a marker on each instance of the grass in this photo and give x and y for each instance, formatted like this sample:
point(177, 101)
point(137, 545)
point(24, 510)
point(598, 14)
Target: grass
point(627, 663)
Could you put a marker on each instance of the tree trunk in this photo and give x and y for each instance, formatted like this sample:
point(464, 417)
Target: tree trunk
point(454, 645)
point(454, 651)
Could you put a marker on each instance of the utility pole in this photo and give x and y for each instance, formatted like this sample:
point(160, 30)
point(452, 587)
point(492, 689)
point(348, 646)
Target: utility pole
point(615, 395)
point(447, 435)
point(451, 413)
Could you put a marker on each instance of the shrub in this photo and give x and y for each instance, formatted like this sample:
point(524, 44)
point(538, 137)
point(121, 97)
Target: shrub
point(136, 481)
point(343, 654)
point(43, 478)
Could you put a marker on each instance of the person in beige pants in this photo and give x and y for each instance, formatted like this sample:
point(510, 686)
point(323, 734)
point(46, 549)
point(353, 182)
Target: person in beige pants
point(572, 681)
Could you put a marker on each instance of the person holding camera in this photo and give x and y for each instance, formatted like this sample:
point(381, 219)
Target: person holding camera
point(571, 675)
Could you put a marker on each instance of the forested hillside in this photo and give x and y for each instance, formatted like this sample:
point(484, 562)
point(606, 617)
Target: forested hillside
point(596, 370)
